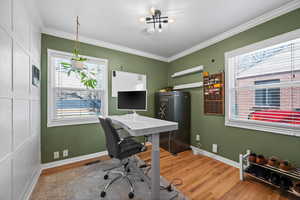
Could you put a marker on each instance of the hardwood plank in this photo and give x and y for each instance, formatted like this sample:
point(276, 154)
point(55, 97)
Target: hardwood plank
point(73, 165)
point(207, 179)
point(203, 178)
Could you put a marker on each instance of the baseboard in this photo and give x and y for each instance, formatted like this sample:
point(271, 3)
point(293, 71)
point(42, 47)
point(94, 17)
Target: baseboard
point(215, 156)
point(72, 160)
point(35, 179)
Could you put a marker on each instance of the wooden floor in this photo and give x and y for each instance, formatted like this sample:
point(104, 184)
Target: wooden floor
point(58, 169)
point(203, 178)
point(208, 179)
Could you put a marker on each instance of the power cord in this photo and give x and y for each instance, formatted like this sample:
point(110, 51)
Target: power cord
point(175, 182)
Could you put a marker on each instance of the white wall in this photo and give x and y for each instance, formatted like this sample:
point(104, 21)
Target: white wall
point(19, 100)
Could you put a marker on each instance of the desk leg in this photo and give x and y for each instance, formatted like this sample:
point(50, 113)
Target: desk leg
point(155, 176)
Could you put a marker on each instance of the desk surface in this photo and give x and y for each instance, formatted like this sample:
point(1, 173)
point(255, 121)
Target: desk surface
point(140, 125)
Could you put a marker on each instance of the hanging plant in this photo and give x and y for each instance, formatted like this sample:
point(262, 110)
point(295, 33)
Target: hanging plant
point(86, 77)
point(78, 66)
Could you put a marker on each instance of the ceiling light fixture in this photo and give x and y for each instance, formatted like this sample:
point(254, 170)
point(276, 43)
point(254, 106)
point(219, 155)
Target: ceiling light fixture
point(156, 19)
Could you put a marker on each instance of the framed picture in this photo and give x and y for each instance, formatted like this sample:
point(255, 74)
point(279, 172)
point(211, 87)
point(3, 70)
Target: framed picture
point(35, 76)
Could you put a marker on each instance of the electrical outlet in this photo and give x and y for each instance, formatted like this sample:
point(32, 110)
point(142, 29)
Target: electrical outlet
point(197, 137)
point(215, 148)
point(56, 155)
point(65, 153)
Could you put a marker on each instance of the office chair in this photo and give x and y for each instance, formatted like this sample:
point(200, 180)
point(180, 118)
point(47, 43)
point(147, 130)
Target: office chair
point(121, 149)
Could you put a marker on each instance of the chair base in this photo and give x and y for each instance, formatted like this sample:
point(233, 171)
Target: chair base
point(124, 174)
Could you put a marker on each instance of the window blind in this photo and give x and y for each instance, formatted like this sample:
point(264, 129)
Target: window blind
point(71, 98)
point(265, 87)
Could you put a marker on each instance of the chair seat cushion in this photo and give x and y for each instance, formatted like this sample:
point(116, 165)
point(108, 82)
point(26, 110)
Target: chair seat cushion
point(129, 147)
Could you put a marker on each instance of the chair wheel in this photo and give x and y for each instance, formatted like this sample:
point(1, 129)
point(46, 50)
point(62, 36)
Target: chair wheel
point(130, 195)
point(105, 176)
point(142, 180)
point(102, 194)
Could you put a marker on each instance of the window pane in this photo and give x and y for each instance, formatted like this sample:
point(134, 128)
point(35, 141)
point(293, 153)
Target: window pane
point(269, 63)
point(74, 96)
point(260, 97)
point(273, 97)
point(263, 84)
point(77, 103)
point(62, 78)
point(268, 96)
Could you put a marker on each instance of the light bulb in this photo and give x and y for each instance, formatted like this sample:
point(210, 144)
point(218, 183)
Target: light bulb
point(171, 20)
point(152, 10)
point(142, 19)
point(159, 28)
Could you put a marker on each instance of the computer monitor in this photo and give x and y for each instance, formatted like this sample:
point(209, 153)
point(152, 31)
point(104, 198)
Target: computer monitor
point(132, 100)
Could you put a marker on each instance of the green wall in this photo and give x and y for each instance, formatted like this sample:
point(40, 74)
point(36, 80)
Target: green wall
point(87, 139)
point(233, 141)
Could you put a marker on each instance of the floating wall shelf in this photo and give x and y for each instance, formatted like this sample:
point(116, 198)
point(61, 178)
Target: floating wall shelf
point(188, 71)
point(189, 85)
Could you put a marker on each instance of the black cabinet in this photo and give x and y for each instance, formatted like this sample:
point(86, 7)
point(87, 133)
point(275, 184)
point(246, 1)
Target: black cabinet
point(174, 106)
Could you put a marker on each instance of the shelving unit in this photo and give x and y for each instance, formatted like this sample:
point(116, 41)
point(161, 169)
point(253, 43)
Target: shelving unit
point(213, 91)
point(293, 175)
point(189, 85)
point(187, 71)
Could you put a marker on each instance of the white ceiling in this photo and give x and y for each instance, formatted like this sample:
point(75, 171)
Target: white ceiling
point(117, 21)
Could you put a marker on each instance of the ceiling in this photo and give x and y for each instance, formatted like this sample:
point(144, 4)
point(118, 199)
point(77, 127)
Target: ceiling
point(117, 21)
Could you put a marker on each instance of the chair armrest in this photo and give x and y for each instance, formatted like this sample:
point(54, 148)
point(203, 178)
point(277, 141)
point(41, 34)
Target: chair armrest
point(124, 139)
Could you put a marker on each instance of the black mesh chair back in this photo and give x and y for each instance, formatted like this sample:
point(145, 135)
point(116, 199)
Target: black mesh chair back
point(111, 136)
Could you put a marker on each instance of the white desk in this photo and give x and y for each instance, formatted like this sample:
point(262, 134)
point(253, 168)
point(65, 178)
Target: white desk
point(139, 126)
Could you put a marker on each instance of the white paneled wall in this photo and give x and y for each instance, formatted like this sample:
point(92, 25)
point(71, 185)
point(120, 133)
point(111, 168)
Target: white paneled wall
point(6, 14)
point(20, 47)
point(5, 60)
point(6, 127)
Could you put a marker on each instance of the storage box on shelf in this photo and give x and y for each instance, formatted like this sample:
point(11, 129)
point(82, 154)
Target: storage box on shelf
point(281, 179)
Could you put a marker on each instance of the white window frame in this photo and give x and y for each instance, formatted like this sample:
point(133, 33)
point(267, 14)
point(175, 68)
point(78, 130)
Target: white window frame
point(229, 77)
point(51, 120)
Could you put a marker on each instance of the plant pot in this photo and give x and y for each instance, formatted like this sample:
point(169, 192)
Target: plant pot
point(77, 64)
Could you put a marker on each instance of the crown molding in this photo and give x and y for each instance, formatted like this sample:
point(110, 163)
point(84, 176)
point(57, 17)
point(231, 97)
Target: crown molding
point(100, 43)
point(243, 27)
point(250, 24)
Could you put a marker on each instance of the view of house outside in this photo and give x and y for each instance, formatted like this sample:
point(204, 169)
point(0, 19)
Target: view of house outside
point(260, 82)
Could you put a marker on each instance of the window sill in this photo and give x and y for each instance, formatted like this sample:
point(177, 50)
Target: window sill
point(70, 122)
point(261, 126)
point(265, 107)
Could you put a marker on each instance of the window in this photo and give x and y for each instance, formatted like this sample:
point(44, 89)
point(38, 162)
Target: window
point(263, 85)
point(69, 100)
point(267, 97)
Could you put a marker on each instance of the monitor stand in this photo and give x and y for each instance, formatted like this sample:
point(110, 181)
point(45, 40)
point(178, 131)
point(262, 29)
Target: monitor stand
point(134, 115)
